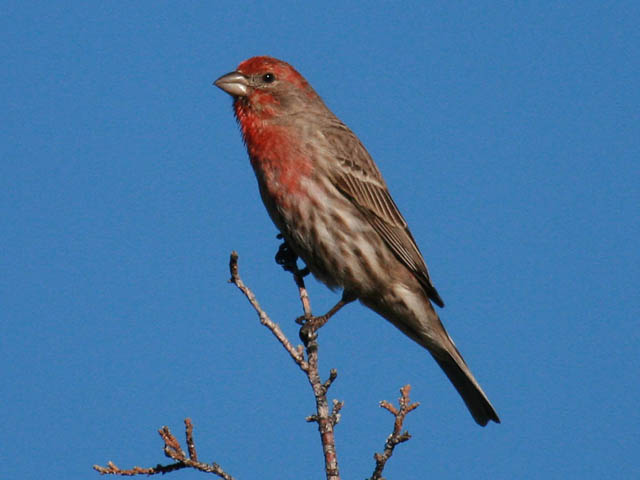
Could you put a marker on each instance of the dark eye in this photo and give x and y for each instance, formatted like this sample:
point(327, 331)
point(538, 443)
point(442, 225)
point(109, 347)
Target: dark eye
point(268, 77)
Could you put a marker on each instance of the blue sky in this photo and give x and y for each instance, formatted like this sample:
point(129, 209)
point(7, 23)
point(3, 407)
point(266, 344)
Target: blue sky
point(509, 136)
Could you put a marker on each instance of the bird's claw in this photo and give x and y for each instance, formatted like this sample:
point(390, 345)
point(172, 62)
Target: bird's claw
point(304, 272)
point(288, 259)
point(309, 328)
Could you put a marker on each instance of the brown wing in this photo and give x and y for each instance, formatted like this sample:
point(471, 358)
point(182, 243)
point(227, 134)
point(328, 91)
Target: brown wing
point(360, 180)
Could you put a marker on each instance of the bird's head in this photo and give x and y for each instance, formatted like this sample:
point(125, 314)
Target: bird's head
point(266, 87)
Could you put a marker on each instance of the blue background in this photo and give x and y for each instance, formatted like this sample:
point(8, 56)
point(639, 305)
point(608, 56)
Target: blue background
point(509, 135)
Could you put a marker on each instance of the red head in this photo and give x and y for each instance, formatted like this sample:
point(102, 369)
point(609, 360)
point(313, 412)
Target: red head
point(273, 104)
point(265, 87)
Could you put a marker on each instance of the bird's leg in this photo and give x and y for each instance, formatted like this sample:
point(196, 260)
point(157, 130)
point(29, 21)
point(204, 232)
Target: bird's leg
point(346, 299)
point(288, 259)
point(311, 325)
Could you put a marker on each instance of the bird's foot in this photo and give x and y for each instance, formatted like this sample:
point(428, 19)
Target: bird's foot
point(310, 325)
point(288, 259)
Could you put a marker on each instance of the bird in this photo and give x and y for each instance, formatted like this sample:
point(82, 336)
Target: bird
point(329, 201)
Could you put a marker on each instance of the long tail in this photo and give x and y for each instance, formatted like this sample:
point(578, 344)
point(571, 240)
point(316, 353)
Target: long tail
point(415, 316)
point(456, 369)
point(433, 336)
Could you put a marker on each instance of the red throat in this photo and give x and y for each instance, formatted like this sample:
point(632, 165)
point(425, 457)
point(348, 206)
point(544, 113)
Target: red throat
point(276, 156)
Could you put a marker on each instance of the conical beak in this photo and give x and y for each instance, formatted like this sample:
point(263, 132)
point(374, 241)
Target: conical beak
point(234, 83)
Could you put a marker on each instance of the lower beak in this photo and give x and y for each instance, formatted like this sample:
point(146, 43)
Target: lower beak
point(234, 83)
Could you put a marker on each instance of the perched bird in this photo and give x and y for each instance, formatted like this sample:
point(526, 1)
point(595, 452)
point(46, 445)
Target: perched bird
point(328, 199)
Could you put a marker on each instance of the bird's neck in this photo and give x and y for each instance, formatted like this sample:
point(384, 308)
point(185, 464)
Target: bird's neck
point(277, 155)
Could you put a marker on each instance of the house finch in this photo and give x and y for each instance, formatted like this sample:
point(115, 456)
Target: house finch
point(328, 199)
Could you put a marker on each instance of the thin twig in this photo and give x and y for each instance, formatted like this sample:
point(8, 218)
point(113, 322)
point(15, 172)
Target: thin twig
point(325, 418)
point(335, 411)
point(191, 446)
point(173, 450)
point(397, 436)
point(264, 318)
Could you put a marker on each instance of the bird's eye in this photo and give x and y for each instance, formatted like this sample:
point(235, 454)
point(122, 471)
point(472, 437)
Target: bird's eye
point(268, 77)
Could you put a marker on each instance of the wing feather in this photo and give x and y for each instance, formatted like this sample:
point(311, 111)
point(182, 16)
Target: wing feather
point(362, 183)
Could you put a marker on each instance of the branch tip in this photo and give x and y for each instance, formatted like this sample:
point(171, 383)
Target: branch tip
point(397, 436)
point(173, 450)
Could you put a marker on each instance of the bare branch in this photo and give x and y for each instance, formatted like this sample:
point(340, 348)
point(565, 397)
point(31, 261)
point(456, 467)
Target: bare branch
point(335, 411)
point(333, 374)
point(325, 419)
point(397, 436)
point(307, 359)
point(191, 446)
point(264, 318)
point(173, 450)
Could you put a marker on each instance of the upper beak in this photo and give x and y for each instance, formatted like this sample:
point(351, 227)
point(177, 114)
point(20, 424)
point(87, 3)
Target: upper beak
point(234, 83)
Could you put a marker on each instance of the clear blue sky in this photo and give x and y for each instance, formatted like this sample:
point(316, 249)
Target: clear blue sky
point(510, 139)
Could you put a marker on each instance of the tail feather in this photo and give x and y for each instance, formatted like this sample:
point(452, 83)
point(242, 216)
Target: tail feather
point(422, 324)
point(467, 386)
point(436, 339)
point(445, 352)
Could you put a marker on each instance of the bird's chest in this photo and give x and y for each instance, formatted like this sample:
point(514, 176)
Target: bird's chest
point(281, 166)
point(285, 194)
